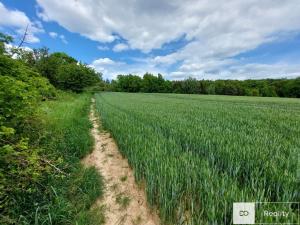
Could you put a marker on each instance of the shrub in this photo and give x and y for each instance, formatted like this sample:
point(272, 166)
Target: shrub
point(76, 77)
point(21, 90)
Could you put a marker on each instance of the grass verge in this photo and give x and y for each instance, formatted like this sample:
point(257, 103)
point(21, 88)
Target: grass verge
point(65, 190)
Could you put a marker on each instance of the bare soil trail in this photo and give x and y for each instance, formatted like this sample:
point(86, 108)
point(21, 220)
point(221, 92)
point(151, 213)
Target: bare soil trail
point(123, 201)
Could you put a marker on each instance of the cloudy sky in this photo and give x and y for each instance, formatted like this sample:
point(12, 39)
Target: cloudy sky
point(221, 39)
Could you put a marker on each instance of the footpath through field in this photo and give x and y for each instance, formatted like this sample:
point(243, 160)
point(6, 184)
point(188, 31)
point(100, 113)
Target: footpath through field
point(124, 202)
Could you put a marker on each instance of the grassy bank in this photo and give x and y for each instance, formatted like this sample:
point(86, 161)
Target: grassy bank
point(64, 190)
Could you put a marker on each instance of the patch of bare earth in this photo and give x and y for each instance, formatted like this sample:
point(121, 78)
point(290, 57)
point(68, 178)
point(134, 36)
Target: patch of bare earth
point(124, 202)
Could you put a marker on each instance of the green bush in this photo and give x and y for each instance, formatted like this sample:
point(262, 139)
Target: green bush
point(4, 39)
point(42, 180)
point(40, 146)
point(48, 65)
point(21, 90)
point(76, 77)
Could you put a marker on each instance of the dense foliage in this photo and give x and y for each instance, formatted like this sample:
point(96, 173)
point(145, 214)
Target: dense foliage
point(63, 71)
point(76, 77)
point(40, 150)
point(21, 90)
point(199, 154)
point(151, 84)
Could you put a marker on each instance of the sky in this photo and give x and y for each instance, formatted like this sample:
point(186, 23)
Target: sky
point(202, 39)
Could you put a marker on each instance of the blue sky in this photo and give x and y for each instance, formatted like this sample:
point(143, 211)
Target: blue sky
point(179, 39)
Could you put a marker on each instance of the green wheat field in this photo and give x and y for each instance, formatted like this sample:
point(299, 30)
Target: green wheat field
point(197, 154)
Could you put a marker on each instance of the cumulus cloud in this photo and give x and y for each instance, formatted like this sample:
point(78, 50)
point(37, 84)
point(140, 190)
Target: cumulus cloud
point(103, 62)
point(60, 36)
point(10, 50)
point(215, 31)
point(111, 68)
point(261, 71)
point(146, 25)
point(106, 66)
point(18, 21)
point(78, 16)
point(120, 47)
point(241, 72)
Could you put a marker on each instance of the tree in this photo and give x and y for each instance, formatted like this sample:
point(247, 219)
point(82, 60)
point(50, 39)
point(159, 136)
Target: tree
point(294, 88)
point(191, 86)
point(76, 77)
point(210, 88)
point(152, 83)
point(48, 66)
point(128, 83)
point(4, 39)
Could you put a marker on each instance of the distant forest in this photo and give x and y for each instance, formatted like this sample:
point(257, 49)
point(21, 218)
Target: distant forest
point(150, 83)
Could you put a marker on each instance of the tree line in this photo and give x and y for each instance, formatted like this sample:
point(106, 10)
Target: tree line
point(62, 71)
point(150, 83)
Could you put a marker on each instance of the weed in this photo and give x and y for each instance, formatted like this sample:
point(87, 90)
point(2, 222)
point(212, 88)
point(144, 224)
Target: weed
point(123, 200)
point(123, 178)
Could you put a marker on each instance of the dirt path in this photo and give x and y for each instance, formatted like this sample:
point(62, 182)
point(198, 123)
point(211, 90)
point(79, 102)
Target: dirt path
point(124, 202)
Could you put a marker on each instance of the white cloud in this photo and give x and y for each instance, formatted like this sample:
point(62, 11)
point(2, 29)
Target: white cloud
point(102, 48)
point(216, 30)
point(241, 72)
point(77, 16)
point(260, 71)
point(63, 39)
point(105, 66)
point(53, 34)
point(110, 68)
point(9, 49)
point(18, 21)
point(230, 69)
point(120, 47)
point(103, 61)
point(60, 36)
point(146, 25)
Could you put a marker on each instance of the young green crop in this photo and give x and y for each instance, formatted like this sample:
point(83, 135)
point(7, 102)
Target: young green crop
point(199, 154)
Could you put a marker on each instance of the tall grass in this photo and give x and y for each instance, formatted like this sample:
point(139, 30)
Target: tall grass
point(67, 189)
point(199, 154)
